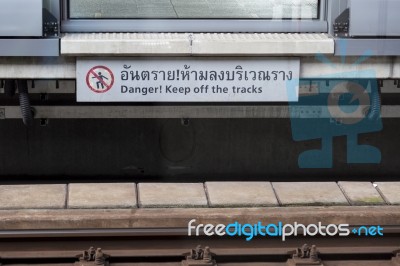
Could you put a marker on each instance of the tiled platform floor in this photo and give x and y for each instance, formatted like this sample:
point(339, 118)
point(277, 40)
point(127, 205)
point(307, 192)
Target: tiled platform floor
point(198, 195)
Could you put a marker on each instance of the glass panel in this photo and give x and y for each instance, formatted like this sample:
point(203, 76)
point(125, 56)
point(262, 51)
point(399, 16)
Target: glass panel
point(194, 9)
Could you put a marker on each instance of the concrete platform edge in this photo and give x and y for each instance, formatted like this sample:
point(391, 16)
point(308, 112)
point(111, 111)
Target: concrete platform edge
point(179, 218)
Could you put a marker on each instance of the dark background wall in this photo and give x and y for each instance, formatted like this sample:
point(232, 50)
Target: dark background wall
point(166, 150)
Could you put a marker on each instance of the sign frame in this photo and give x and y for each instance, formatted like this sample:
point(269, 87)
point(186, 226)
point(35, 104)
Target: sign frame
point(188, 79)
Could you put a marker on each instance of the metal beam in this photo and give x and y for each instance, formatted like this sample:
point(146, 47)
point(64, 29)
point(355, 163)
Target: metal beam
point(193, 25)
point(30, 47)
point(368, 47)
point(310, 67)
point(69, 87)
point(51, 86)
point(150, 112)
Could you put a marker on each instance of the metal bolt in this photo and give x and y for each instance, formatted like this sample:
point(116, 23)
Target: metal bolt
point(305, 251)
point(44, 96)
point(91, 253)
point(207, 255)
point(365, 110)
point(44, 122)
point(99, 257)
point(185, 122)
point(314, 253)
point(380, 83)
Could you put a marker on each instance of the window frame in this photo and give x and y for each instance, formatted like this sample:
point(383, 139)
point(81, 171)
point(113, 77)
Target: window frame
point(319, 25)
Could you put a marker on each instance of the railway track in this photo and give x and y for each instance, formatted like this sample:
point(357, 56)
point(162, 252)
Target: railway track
point(172, 247)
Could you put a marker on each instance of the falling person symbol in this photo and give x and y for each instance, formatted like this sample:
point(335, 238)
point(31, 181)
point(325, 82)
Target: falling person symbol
point(100, 81)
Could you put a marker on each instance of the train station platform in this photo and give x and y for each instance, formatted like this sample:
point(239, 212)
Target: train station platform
point(173, 205)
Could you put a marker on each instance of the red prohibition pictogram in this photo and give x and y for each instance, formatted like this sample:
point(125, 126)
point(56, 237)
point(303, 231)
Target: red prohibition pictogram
point(100, 79)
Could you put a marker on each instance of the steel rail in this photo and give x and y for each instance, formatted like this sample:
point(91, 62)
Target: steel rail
point(132, 232)
point(162, 250)
point(172, 240)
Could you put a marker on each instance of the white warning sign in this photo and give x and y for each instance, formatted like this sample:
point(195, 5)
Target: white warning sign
point(186, 79)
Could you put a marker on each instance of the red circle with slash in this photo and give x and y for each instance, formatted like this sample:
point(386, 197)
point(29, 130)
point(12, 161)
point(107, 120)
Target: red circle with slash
point(100, 79)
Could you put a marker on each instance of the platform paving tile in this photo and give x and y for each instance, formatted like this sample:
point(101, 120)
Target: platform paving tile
point(170, 195)
point(102, 196)
point(309, 194)
point(361, 193)
point(390, 191)
point(33, 196)
point(240, 194)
